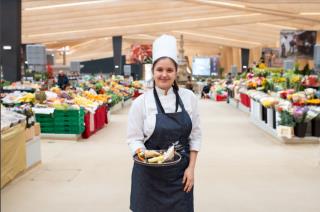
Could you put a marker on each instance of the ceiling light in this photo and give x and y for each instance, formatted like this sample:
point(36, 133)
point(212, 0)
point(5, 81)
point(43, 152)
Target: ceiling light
point(218, 37)
point(222, 3)
point(66, 5)
point(277, 26)
point(7, 47)
point(147, 24)
point(309, 13)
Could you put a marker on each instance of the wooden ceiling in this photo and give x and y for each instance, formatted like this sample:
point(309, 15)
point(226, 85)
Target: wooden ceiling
point(88, 26)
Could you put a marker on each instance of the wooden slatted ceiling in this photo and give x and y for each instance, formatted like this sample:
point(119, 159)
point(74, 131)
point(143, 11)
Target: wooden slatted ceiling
point(88, 28)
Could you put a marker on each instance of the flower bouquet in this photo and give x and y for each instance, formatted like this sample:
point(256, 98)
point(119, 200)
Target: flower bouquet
point(302, 115)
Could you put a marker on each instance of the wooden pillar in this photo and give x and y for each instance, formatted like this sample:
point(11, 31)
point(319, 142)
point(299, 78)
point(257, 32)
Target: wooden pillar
point(254, 55)
point(236, 59)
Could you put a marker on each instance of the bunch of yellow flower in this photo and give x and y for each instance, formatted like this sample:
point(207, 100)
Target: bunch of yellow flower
point(313, 101)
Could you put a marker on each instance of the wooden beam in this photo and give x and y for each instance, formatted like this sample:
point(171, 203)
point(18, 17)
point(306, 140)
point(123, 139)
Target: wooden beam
point(162, 27)
point(252, 8)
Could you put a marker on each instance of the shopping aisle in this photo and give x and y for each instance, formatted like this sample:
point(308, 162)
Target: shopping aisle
point(240, 168)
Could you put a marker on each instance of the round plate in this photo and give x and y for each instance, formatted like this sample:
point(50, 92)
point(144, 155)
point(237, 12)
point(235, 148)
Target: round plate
point(177, 158)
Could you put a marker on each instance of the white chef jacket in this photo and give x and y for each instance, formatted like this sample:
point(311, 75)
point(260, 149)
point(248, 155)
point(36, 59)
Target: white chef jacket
point(142, 116)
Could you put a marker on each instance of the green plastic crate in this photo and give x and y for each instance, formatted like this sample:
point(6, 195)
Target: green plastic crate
point(47, 124)
point(68, 120)
point(47, 130)
point(69, 130)
point(68, 113)
point(44, 118)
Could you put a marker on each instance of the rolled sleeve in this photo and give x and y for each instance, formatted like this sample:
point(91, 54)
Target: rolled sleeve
point(195, 136)
point(135, 136)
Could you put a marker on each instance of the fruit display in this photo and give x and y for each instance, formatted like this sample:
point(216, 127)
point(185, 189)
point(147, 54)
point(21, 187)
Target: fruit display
point(27, 98)
point(136, 84)
point(22, 86)
point(100, 98)
point(10, 118)
point(86, 103)
point(41, 96)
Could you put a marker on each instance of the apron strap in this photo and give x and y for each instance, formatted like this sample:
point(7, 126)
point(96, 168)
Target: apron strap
point(159, 105)
point(179, 100)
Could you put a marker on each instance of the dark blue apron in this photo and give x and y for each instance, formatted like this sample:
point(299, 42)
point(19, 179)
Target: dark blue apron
point(160, 189)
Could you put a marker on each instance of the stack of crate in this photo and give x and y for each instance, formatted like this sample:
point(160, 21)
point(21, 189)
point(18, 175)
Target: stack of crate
point(62, 122)
point(46, 122)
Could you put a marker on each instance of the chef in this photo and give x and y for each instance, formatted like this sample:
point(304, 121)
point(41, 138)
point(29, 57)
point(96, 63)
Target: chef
point(164, 116)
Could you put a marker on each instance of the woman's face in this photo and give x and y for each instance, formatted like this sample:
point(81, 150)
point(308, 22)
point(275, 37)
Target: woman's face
point(164, 73)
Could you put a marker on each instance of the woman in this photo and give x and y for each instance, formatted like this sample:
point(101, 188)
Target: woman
point(157, 119)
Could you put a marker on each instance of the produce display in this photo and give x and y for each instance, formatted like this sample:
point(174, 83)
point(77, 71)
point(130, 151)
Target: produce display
point(10, 118)
point(90, 94)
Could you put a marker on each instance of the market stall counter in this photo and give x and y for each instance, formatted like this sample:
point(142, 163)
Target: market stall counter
point(13, 153)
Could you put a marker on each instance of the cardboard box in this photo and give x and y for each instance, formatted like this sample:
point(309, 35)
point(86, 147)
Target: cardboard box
point(37, 129)
point(29, 133)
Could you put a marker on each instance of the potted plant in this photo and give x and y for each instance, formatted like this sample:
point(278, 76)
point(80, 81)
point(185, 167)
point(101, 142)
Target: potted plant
point(314, 115)
point(301, 124)
point(286, 124)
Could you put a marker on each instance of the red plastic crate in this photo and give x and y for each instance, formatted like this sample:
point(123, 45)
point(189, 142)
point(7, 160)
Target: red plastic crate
point(99, 118)
point(245, 100)
point(220, 98)
point(106, 112)
point(86, 133)
point(136, 93)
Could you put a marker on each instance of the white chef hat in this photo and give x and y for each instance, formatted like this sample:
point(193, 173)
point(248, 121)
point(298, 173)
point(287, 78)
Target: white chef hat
point(164, 46)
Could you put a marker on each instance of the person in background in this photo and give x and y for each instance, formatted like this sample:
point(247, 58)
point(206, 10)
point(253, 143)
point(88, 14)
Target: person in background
point(229, 81)
point(63, 80)
point(206, 89)
point(189, 84)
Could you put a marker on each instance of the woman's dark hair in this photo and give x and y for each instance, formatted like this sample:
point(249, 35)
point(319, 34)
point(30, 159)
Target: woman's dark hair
point(175, 84)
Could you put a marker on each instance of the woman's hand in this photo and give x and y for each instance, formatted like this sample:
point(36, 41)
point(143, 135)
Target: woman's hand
point(188, 179)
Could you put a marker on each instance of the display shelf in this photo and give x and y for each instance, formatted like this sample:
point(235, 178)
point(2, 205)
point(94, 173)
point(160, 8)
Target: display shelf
point(127, 103)
point(13, 153)
point(305, 140)
point(264, 126)
point(234, 102)
point(51, 136)
point(116, 107)
point(244, 108)
point(33, 152)
point(271, 126)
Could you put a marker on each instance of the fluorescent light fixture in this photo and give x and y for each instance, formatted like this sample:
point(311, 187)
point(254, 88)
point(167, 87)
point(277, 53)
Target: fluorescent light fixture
point(309, 13)
point(7, 47)
point(148, 24)
point(116, 66)
point(67, 5)
point(277, 26)
point(222, 3)
point(217, 37)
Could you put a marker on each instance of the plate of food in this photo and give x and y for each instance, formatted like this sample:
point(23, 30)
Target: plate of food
point(157, 158)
